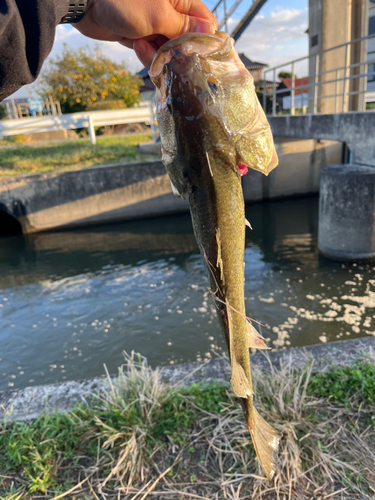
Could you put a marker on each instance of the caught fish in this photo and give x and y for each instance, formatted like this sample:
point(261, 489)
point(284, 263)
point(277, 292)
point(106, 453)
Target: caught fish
point(212, 129)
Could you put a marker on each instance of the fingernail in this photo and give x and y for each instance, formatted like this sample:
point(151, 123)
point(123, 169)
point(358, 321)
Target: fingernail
point(204, 27)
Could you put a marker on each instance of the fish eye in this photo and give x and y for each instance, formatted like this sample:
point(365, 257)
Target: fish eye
point(212, 85)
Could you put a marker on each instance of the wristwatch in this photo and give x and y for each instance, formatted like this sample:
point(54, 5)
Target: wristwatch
point(75, 13)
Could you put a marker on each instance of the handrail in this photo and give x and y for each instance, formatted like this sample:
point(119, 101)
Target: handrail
point(349, 79)
point(90, 119)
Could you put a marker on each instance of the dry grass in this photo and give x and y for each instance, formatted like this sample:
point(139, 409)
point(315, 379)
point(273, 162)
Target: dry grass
point(327, 450)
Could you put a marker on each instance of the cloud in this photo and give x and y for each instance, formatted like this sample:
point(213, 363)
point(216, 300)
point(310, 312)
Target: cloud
point(63, 32)
point(113, 50)
point(276, 38)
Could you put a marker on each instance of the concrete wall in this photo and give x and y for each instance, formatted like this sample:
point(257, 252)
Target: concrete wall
point(118, 192)
point(354, 129)
point(298, 171)
point(87, 196)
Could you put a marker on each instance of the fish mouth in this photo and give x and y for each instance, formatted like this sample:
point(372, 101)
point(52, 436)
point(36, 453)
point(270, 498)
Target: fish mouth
point(214, 46)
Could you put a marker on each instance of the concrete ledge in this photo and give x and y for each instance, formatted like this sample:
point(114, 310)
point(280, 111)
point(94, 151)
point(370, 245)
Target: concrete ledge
point(63, 199)
point(352, 128)
point(24, 404)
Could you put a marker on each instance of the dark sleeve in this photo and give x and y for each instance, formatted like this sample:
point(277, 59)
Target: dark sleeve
point(27, 32)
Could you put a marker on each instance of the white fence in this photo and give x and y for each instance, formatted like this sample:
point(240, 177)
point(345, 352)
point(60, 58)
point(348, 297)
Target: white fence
point(142, 114)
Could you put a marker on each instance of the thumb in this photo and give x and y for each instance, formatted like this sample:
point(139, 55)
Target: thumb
point(178, 24)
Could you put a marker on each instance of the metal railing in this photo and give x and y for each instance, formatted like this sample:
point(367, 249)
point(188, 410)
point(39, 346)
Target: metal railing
point(223, 13)
point(90, 119)
point(37, 108)
point(341, 79)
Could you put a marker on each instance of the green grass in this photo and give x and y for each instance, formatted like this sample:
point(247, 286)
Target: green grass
point(140, 427)
point(29, 159)
point(343, 382)
point(35, 450)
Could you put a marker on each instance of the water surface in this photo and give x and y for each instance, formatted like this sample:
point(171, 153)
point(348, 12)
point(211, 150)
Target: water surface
point(71, 301)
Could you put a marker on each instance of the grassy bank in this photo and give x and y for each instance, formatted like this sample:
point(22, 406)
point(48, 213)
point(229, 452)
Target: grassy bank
point(29, 159)
point(145, 439)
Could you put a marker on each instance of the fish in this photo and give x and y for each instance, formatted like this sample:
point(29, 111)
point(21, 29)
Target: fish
point(212, 129)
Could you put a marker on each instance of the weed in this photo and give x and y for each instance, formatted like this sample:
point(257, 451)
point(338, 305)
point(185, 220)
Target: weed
point(340, 383)
point(141, 436)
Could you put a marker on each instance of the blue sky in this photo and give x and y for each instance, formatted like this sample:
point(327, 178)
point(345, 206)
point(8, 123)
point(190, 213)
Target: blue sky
point(274, 37)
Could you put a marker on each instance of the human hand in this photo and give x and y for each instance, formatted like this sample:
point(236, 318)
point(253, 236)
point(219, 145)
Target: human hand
point(145, 25)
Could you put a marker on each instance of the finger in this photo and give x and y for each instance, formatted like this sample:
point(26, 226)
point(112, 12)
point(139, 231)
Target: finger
point(194, 8)
point(144, 51)
point(126, 42)
point(175, 24)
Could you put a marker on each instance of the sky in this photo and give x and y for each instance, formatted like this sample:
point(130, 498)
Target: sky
point(275, 36)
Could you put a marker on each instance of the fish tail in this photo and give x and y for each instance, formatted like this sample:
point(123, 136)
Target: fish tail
point(265, 438)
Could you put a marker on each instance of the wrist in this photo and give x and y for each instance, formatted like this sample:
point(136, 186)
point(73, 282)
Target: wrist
point(76, 11)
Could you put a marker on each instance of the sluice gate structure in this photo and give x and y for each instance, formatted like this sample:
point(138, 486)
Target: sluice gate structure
point(335, 102)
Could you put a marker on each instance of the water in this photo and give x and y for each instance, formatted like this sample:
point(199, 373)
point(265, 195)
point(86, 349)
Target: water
point(73, 300)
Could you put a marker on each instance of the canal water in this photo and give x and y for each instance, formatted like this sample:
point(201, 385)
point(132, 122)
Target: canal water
point(71, 301)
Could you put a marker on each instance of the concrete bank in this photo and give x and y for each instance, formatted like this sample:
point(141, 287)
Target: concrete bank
point(95, 195)
point(28, 403)
point(355, 129)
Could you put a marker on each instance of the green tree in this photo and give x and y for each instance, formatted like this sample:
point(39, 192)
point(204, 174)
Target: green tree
point(80, 78)
point(285, 74)
point(3, 113)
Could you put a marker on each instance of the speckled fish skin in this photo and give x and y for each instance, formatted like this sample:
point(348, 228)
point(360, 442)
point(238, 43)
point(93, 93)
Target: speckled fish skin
point(210, 120)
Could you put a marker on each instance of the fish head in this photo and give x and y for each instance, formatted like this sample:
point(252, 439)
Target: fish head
point(182, 73)
point(203, 87)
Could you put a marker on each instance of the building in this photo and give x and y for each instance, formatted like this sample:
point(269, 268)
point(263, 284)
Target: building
point(147, 90)
point(301, 93)
point(371, 50)
point(333, 23)
point(254, 68)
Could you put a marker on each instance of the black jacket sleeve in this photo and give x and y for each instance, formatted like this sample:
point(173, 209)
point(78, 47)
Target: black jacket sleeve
point(27, 31)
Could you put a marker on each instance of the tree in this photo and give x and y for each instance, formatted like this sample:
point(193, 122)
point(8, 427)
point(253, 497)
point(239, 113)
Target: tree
point(3, 112)
point(285, 74)
point(79, 78)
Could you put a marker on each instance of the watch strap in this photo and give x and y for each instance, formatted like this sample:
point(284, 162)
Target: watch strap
point(75, 13)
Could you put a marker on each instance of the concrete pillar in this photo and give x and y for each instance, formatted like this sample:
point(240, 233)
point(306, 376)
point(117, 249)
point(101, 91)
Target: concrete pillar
point(347, 212)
